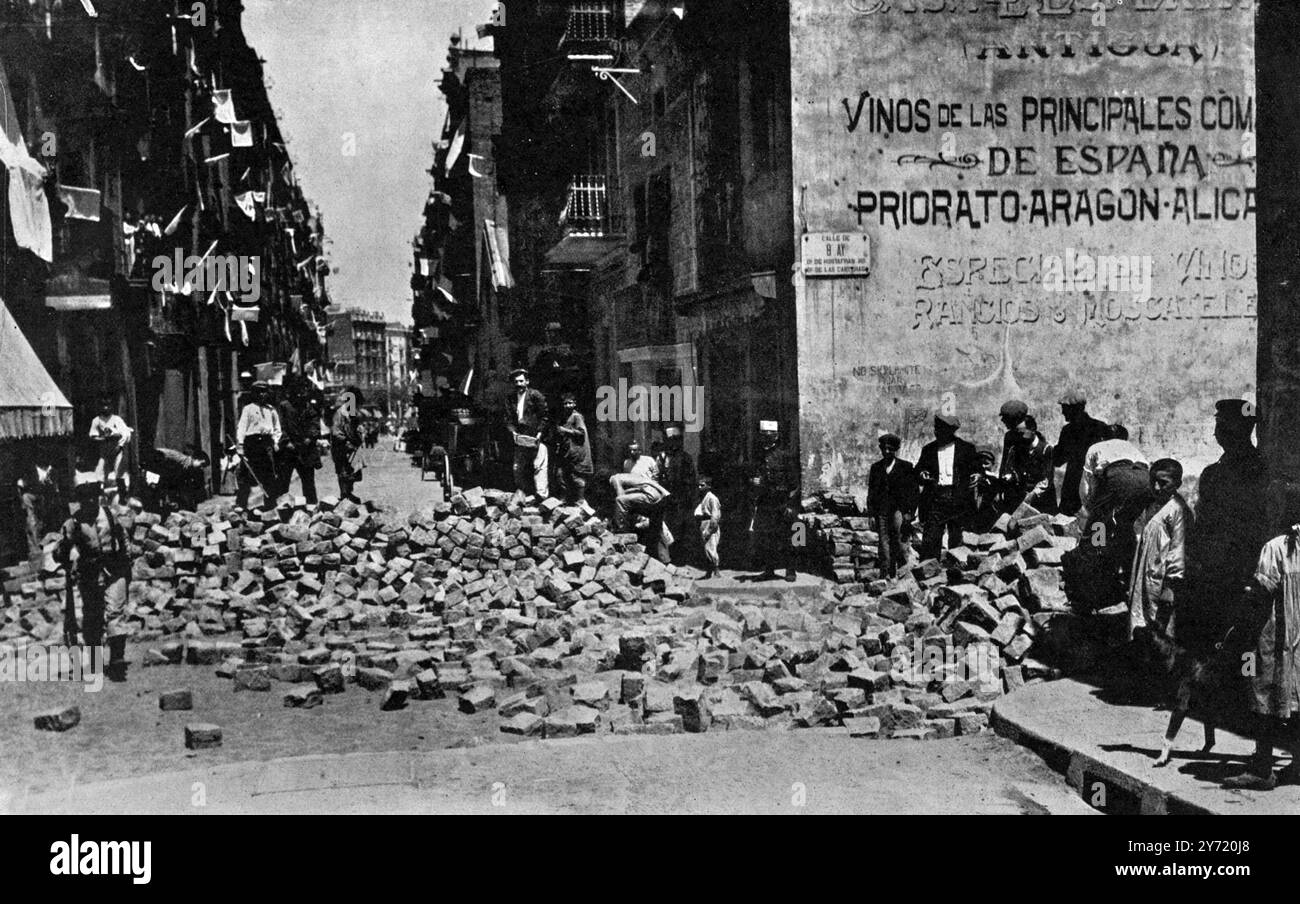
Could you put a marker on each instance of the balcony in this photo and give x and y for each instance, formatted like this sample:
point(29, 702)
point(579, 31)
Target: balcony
point(587, 212)
point(592, 230)
point(590, 33)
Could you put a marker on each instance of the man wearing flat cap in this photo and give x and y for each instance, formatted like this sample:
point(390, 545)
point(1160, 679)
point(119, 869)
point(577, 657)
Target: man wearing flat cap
point(526, 421)
point(1081, 432)
point(947, 472)
point(1230, 527)
point(1012, 414)
point(891, 502)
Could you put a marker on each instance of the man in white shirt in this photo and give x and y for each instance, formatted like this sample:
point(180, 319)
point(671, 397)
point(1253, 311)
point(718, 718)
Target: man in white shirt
point(637, 491)
point(110, 435)
point(256, 439)
point(948, 470)
point(1115, 474)
point(526, 419)
point(1115, 488)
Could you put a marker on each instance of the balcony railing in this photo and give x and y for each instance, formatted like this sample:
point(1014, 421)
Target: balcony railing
point(587, 209)
point(590, 31)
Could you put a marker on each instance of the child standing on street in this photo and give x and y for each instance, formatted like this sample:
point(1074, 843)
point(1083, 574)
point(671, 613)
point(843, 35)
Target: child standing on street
point(709, 514)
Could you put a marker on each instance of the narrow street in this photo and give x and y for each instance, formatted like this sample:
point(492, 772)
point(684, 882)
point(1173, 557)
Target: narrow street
point(347, 756)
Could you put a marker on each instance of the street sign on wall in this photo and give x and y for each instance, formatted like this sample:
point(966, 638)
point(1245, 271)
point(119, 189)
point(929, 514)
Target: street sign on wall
point(836, 254)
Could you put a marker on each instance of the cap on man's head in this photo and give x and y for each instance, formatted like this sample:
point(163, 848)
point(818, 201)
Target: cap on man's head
point(767, 426)
point(261, 384)
point(1074, 397)
point(1235, 410)
point(891, 440)
point(519, 371)
point(86, 482)
point(673, 431)
point(1013, 408)
point(948, 419)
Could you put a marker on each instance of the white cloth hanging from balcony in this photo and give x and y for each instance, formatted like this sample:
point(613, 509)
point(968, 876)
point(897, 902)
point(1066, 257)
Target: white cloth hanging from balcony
point(29, 209)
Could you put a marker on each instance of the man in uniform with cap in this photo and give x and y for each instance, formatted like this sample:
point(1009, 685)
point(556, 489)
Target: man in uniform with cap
point(99, 570)
point(1230, 527)
point(526, 421)
point(1080, 433)
point(677, 473)
point(775, 498)
point(948, 470)
point(256, 439)
point(891, 502)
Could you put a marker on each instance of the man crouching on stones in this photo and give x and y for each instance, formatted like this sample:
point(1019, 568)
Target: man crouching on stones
point(637, 492)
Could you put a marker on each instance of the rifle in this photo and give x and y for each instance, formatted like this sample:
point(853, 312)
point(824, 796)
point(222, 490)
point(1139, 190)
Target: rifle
point(69, 610)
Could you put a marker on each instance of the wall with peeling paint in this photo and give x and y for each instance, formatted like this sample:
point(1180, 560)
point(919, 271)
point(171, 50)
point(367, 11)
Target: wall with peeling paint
point(933, 132)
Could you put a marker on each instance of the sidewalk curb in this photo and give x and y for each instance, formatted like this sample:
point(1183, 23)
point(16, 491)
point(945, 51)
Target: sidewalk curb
point(1081, 769)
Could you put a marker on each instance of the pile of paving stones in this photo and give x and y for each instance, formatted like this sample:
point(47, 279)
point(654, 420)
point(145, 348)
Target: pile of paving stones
point(563, 627)
point(841, 539)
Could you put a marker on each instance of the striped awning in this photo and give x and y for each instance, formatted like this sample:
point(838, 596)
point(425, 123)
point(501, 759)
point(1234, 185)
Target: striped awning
point(31, 403)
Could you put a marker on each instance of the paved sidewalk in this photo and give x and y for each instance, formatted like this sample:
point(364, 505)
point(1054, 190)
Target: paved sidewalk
point(1096, 740)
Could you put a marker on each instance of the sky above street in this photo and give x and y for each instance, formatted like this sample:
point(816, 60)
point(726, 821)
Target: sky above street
point(363, 77)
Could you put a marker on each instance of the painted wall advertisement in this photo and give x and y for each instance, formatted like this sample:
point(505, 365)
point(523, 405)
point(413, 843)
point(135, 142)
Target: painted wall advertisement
point(1056, 194)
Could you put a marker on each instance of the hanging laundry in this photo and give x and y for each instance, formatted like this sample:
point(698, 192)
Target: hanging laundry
point(241, 134)
point(29, 209)
point(457, 145)
point(102, 81)
point(246, 204)
point(223, 105)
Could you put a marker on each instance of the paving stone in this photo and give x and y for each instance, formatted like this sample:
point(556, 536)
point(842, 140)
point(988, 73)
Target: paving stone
point(60, 719)
point(174, 700)
point(303, 697)
point(202, 736)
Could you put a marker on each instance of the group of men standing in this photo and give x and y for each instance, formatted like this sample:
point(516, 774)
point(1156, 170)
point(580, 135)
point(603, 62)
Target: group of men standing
point(1206, 583)
point(955, 486)
point(274, 441)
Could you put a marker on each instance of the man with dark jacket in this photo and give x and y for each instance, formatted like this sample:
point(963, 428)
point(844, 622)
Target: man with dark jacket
point(345, 440)
point(891, 502)
point(1081, 432)
point(526, 421)
point(946, 471)
point(774, 489)
point(301, 428)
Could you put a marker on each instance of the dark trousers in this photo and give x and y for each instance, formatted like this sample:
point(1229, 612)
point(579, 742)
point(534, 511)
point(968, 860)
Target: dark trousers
point(891, 556)
point(342, 456)
point(259, 467)
point(571, 485)
point(1122, 491)
point(945, 512)
point(771, 541)
point(303, 463)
